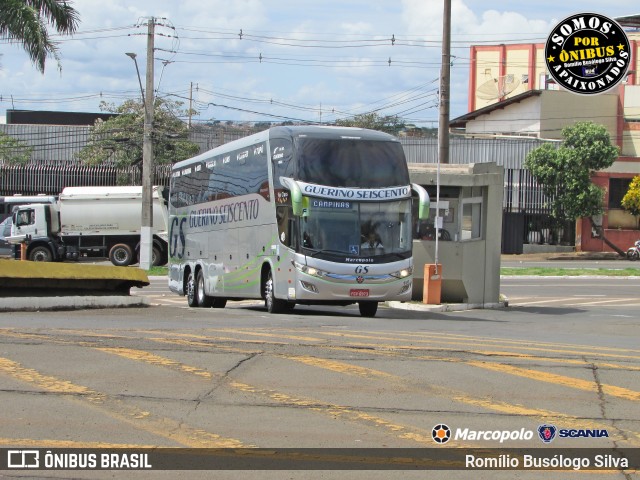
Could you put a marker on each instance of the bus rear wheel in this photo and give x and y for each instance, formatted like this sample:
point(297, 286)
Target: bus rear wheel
point(203, 300)
point(219, 302)
point(273, 304)
point(190, 288)
point(368, 309)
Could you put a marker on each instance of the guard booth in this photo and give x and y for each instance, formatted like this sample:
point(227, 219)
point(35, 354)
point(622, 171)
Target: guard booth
point(470, 233)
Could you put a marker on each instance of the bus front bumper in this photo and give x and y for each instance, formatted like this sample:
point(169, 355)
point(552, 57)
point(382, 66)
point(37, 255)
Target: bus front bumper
point(319, 290)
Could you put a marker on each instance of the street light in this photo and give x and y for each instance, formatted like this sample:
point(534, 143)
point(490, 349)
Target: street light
point(146, 227)
point(133, 56)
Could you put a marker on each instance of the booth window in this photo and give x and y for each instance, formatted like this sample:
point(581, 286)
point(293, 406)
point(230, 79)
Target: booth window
point(471, 214)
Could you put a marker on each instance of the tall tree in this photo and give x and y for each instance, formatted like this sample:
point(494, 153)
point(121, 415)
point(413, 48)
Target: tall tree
point(26, 22)
point(631, 199)
point(389, 124)
point(118, 141)
point(12, 151)
point(565, 173)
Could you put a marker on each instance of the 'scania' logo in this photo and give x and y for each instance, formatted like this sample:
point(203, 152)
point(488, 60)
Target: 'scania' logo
point(587, 53)
point(547, 433)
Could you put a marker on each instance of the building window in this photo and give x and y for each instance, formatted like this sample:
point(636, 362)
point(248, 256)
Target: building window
point(618, 187)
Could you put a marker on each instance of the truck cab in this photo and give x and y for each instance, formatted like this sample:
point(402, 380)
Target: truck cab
point(36, 221)
point(35, 224)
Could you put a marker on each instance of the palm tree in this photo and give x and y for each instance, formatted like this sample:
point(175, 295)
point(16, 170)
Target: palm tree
point(26, 21)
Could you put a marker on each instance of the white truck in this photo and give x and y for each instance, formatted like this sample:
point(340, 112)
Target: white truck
point(92, 221)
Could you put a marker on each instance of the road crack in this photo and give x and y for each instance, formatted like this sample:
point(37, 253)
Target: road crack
point(223, 378)
point(603, 409)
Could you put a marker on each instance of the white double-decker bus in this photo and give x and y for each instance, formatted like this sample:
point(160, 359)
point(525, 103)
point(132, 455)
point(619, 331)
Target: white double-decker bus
point(294, 215)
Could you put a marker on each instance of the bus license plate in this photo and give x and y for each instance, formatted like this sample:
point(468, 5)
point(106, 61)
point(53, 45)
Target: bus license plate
point(359, 292)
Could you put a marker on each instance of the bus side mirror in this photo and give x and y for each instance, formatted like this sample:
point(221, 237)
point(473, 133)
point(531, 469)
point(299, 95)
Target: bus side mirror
point(423, 201)
point(296, 194)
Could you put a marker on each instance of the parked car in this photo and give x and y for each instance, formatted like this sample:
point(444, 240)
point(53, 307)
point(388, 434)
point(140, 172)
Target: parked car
point(5, 230)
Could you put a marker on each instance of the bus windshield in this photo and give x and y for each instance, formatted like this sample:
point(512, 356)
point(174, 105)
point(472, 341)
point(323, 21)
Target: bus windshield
point(351, 163)
point(356, 229)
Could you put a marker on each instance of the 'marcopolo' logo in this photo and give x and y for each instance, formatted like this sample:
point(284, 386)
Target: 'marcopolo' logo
point(441, 433)
point(587, 53)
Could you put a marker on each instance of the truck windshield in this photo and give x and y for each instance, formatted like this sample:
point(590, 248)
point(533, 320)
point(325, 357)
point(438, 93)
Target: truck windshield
point(352, 163)
point(356, 229)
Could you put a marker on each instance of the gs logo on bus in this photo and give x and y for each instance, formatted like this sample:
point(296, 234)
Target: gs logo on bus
point(362, 269)
point(176, 237)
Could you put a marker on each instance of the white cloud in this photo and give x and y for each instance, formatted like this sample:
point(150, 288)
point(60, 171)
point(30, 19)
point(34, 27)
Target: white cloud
point(95, 62)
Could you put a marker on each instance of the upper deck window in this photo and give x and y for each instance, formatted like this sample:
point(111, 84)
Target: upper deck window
point(351, 163)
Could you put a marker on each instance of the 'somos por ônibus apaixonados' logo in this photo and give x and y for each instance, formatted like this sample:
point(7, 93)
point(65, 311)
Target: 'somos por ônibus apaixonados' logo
point(587, 53)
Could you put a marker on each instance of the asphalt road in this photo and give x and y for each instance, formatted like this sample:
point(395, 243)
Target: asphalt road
point(325, 377)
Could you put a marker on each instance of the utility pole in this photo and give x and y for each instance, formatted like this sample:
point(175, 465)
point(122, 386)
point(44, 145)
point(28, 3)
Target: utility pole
point(146, 232)
point(445, 81)
point(443, 125)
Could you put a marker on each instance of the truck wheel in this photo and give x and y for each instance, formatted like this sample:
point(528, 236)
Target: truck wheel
point(156, 257)
point(121, 255)
point(203, 299)
point(40, 254)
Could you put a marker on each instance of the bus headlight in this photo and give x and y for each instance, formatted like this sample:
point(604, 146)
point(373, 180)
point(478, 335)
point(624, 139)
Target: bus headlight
point(404, 273)
point(314, 272)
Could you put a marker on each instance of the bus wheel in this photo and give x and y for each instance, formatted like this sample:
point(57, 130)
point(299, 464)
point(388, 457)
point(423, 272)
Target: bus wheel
point(121, 255)
point(192, 301)
point(273, 304)
point(40, 254)
point(202, 298)
point(368, 309)
point(219, 302)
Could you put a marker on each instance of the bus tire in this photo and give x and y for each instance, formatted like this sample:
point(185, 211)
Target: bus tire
point(273, 304)
point(218, 302)
point(121, 255)
point(40, 254)
point(202, 299)
point(190, 288)
point(368, 309)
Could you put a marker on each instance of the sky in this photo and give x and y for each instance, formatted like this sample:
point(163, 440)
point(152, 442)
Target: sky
point(276, 60)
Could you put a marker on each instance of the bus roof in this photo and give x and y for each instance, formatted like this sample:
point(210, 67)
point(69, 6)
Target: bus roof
point(315, 131)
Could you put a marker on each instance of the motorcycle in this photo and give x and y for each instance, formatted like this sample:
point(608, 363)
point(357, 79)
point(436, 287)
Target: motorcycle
point(634, 252)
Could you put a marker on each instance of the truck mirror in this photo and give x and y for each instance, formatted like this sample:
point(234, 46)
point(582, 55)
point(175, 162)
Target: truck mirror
point(296, 194)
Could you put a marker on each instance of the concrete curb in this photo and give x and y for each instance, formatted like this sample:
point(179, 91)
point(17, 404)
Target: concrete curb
point(445, 307)
point(35, 304)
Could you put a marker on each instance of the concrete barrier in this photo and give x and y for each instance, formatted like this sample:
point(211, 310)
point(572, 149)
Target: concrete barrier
point(41, 286)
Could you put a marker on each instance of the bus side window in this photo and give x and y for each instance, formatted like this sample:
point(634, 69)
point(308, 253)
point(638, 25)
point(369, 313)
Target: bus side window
point(283, 166)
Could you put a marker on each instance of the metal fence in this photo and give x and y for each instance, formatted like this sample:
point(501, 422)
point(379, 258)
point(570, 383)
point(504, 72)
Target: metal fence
point(50, 179)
